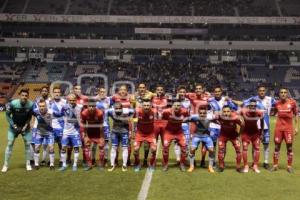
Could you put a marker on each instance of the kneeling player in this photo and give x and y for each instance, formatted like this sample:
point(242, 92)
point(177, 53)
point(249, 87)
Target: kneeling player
point(145, 133)
point(252, 133)
point(201, 134)
point(120, 133)
point(44, 133)
point(229, 122)
point(92, 123)
point(71, 136)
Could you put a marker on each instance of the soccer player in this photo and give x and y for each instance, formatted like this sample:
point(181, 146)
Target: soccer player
point(286, 109)
point(81, 101)
point(44, 95)
point(252, 133)
point(44, 133)
point(265, 103)
point(201, 121)
point(92, 123)
point(216, 104)
point(56, 105)
point(18, 114)
point(71, 135)
point(229, 122)
point(126, 99)
point(198, 98)
point(186, 104)
point(139, 97)
point(173, 131)
point(145, 133)
point(119, 133)
point(103, 103)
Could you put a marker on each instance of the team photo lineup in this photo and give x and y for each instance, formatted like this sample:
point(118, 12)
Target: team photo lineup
point(127, 130)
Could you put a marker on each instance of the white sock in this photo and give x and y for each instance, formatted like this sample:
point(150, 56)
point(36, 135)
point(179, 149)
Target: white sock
point(106, 149)
point(125, 155)
point(76, 156)
point(63, 157)
point(36, 159)
point(266, 153)
point(177, 152)
point(51, 158)
point(27, 162)
point(192, 158)
point(211, 158)
point(31, 152)
point(44, 152)
point(113, 154)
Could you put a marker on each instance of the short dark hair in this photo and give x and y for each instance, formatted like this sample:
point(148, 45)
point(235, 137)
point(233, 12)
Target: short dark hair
point(24, 90)
point(42, 100)
point(57, 87)
point(226, 106)
point(218, 86)
point(199, 84)
point(252, 100)
point(45, 87)
point(181, 87)
point(261, 86)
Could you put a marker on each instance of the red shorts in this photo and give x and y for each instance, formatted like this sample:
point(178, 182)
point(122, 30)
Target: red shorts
point(178, 137)
point(279, 135)
point(248, 138)
point(99, 141)
point(224, 139)
point(140, 138)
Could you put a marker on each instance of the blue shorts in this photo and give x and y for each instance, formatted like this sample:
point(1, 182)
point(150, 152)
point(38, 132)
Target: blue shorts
point(205, 139)
point(214, 133)
point(34, 133)
point(71, 140)
point(116, 138)
point(44, 139)
point(57, 133)
point(266, 137)
point(106, 130)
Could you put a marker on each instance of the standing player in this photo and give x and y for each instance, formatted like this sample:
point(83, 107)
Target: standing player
point(81, 101)
point(120, 133)
point(145, 133)
point(18, 114)
point(252, 133)
point(173, 131)
point(71, 136)
point(137, 101)
point(56, 105)
point(229, 122)
point(44, 95)
point(186, 104)
point(216, 104)
point(265, 103)
point(123, 97)
point(159, 103)
point(199, 98)
point(201, 121)
point(92, 123)
point(286, 109)
point(44, 133)
point(103, 103)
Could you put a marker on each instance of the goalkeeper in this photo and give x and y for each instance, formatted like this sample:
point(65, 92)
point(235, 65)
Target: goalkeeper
point(18, 114)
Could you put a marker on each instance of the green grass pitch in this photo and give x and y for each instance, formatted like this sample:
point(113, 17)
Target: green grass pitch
point(93, 185)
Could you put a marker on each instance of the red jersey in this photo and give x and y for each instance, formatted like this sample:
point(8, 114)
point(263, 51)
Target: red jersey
point(95, 120)
point(145, 122)
point(251, 119)
point(175, 120)
point(228, 125)
point(159, 103)
point(125, 101)
point(285, 112)
point(198, 101)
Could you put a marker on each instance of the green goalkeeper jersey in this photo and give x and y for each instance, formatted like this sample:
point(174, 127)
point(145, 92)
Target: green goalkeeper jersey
point(19, 114)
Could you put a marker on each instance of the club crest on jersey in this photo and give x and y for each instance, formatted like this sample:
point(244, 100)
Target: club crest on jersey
point(289, 106)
